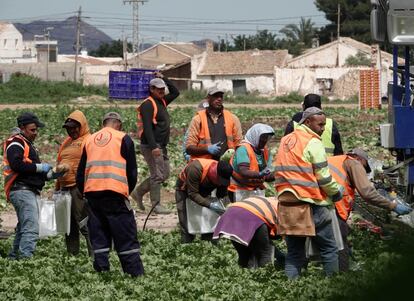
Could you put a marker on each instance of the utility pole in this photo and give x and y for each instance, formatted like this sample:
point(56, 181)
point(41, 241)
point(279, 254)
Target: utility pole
point(135, 26)
point(338, 33)
point(219, 43)
point(48, 29)
point(339, 21)
point(78, 24)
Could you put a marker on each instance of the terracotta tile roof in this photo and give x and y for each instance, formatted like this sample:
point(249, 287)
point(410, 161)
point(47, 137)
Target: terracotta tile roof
point(253, 62)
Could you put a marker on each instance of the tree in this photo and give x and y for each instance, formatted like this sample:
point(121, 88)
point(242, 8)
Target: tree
point(114, 49)
point(354, 19)
point(302, 33)
point(262, 40)
point(359, 59)
point(298, 36)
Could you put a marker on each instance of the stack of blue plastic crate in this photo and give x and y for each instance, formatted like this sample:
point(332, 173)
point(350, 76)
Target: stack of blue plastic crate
point(132, 84)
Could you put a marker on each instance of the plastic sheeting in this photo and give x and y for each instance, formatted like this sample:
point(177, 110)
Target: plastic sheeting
point(63, 201)
point(47, 218)
point(200, 219)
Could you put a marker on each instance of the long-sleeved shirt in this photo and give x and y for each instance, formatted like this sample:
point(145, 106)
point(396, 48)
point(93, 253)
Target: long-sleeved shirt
point(197, 190)
point(359, 180)
point(336, 137)
point(157, 135)
point(217, 131)
point(128, 153)
point(27, 171)
point(314, 153)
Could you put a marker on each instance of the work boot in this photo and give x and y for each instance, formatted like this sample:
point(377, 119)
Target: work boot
point(138, 193)
point(155, 196)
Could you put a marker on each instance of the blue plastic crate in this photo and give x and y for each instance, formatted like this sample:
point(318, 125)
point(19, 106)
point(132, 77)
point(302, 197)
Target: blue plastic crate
point(132, 84)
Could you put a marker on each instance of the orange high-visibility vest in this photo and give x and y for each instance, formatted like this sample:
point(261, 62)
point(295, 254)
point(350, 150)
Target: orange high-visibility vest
point(237, 182)
point(205, 164)
point(336, 166)
point(9, 174)
point(292, 171)
point(263, 208)
point(204, 135)
point(140, 125)
point(105, 167)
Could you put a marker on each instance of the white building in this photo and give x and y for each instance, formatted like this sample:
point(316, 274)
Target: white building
point(238, 72)
point(11, 43)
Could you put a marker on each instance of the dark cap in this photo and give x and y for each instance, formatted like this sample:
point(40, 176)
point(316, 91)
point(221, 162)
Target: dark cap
point(112, 115)
point(224, 172)
point(312, 100)
point(71, 123)
point(362, 154)
point(309, 112)
point(28, 118)
point(214, 90)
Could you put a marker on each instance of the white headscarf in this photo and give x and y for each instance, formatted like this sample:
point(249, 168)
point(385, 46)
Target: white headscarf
point(253, 134)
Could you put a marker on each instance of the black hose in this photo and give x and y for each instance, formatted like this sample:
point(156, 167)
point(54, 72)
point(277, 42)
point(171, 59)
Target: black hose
point(152, 209)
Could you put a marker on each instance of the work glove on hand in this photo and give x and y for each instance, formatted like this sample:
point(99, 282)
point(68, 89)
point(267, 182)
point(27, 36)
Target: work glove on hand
point(43, 167)
point(265, 172)
point(214, 149)
point(402, 209)
point(54, 175)
point(338, 196)
point(217, 207)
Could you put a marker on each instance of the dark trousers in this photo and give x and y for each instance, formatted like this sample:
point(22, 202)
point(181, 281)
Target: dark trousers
point(77, 214)
point(258, 252)
point(112, 220)
point(180, 197)
point(343, 255)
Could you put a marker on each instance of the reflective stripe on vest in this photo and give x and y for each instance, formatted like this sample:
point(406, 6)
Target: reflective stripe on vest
point(263, 208)
point(204, 135)
point(292, 171)
point(140, 125)
point(326, 136)
point(105, 167)
point(237, 182)
point(8, 173)
point(336, 166)
point(205, 165)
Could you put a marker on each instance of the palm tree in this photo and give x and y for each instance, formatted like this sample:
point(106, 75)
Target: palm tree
point(302, 33)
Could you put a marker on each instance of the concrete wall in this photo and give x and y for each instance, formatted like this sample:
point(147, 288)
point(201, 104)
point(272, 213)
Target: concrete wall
point(57, 71)
point(11, 43)
point(98, 75)
point(263, 85)
point(345, 81)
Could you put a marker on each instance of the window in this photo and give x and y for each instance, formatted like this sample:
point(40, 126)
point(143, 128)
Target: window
point(16, 42)
point(239, 86)
point(5, 43)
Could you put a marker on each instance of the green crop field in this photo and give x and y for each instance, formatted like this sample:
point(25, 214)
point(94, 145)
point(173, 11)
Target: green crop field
point(201, 271)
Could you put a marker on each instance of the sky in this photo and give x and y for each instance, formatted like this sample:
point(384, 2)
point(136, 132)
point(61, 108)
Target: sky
point(170, 20)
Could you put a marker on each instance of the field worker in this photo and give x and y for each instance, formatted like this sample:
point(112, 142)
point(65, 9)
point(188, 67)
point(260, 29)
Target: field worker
point(305, 190)
point(331, 138)
point(154, 132)
point(24, 177)
point(251, 224)
point(350, 171)
point(196, 182)
point(213, 130)
point(201, 106)
point(250, 160)
point(107, 173)
point(69, 154)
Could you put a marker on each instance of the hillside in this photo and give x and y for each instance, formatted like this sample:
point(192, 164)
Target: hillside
point(65, 33)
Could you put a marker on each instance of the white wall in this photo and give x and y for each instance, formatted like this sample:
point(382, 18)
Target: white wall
point(11, 43)
point(98, 75)
point(304, 80)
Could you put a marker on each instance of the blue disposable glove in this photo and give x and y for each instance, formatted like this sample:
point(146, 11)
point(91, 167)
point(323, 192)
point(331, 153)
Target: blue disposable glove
point(338, 196)
point(402, 209)
point(265, 172)
point(43, 167)
point(217, 207)
point(214, 149)
point(187, 157)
